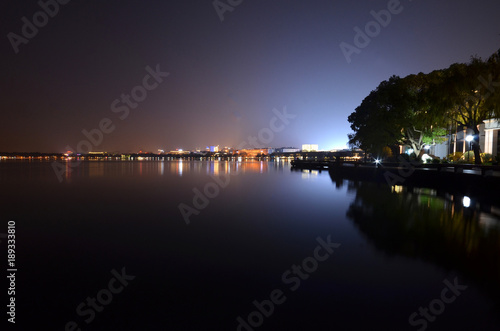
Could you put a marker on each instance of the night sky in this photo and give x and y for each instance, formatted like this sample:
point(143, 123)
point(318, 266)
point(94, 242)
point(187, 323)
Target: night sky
point(224, 77)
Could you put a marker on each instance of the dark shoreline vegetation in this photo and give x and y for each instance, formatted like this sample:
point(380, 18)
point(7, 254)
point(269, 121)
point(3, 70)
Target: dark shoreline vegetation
point(442, 231)
point(422, 110)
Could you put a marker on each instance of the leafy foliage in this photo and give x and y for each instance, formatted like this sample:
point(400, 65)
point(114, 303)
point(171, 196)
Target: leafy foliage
point(417, 110)
point(397, 112)
point(468, 94)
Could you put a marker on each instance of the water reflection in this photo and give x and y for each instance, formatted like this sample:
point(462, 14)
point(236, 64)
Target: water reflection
point(308, 174)
point(177, 168)
point(419, 224)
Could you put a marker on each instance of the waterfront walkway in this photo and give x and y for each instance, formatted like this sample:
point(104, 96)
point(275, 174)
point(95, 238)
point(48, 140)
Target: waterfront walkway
point(481, 170)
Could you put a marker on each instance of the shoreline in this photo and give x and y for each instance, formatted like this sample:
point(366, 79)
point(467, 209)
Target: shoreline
point(485, 188)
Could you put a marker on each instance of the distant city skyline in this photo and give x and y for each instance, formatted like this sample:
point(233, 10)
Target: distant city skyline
point(212, 149)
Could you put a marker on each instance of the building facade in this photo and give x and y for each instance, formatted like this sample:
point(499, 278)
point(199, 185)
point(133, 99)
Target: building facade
point(491, 135)
point(310, 147)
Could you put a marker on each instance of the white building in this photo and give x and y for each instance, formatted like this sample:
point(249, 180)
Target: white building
point(310, 147)
point(491, 134)
point(440, 150)
point(288, 150)
point(213, 148)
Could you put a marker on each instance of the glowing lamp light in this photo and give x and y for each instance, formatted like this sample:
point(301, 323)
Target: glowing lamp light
point(377, 161)
point(425, 158)
point(469, 138)
point(410, 151)
point(466, 202)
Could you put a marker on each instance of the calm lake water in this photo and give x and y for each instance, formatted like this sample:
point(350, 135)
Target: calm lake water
point(114, 230)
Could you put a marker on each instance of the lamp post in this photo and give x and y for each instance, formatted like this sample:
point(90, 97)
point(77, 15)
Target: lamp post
point(469, 138)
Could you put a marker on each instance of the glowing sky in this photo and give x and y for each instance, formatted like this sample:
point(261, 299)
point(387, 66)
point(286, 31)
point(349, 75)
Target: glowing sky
point(225, 77)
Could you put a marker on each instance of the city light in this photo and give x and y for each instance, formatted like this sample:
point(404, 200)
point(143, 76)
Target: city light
point(466, 202)
point(469, 138)
point(426, 158)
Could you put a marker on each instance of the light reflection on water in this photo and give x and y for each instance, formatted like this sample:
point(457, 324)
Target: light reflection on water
point(445, 226)
point(398, 244)
point(178, 168)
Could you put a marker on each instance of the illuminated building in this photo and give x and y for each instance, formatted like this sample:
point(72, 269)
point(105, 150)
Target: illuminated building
point(287, 150)
point(491, 135)
point(214, 149)
point(179, 151)
point(310, 147)
point(254, 152)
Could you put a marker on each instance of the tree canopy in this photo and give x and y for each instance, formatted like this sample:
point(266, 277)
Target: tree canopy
point(417, 110)
point(396, 113)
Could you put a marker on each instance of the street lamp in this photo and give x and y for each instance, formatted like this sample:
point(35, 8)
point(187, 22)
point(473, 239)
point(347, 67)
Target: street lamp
point(469, 138)
point(466, 202)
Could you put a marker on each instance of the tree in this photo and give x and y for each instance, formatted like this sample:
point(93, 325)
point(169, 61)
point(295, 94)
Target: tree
point(370, 123)
point(466, 94)
point(415, 110)
point(492, 84)
point(420, 124)
point(397, 112)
